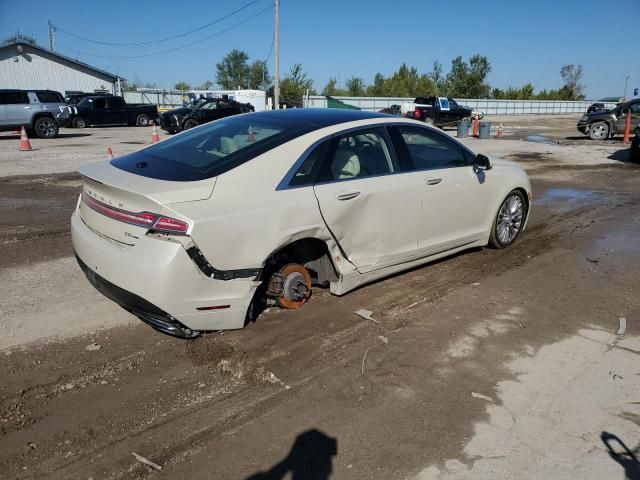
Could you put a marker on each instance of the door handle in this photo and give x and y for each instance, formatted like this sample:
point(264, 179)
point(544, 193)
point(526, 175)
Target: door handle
point(347, 196)
point(27, 108)
point(433, 181)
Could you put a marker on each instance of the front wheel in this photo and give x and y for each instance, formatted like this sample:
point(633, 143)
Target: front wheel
point(80, 122)
point(296, 286)
point(190, 123)
point(509, 221)
point(599, 131)
point(46, 127)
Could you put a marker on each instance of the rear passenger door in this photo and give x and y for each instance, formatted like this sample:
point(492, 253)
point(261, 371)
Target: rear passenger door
point(15, 108)
point(369, 203)
point(117, 110)
point(454, 196)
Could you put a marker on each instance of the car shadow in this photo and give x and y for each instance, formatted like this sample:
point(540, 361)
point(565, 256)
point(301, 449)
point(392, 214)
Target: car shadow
point(626, 458)
point(623, 155)
point(310, 458)
point(16, 136)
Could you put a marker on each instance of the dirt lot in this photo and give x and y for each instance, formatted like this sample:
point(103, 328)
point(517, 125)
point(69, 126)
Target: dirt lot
point(491, 364)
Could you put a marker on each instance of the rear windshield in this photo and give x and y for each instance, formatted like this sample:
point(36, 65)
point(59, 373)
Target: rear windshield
point(210, 150)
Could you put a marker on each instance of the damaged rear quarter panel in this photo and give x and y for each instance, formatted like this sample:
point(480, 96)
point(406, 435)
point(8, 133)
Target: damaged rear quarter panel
point(246, 219)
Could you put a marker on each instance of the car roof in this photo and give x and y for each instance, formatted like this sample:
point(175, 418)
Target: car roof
point(4, 90)
point(318, 117)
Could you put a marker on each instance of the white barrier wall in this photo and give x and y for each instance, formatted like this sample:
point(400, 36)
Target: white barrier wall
point(488, 106)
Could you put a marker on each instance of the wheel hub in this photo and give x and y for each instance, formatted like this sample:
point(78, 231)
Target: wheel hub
point(295, 287)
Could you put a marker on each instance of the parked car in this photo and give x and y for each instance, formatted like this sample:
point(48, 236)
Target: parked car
point(107, 110)
point(75, 98)
point(391, 110)
point(201, 111)
point(193, 233)
point(35, 110)
point(634, 151)
point(438, 111)
point(607, 123)
point(596, 107)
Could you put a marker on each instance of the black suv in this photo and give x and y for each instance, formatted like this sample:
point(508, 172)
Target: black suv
point(34, 110)
point(607, 123)
point(201, 111)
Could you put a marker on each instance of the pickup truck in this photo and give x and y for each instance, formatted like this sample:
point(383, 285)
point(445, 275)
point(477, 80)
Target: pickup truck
point(437, 111)
point(107, 110)
point(603, 124)
point(201, 111)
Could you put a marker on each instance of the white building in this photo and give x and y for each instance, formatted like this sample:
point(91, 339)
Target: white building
point(27, 66)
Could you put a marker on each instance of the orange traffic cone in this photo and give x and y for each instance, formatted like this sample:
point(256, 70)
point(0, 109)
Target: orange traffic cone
point(476, 125)
point(110, 152)
point(251, 137)
point(500, 131)
point(25, 144)
point(627, 127)
point(155, 138)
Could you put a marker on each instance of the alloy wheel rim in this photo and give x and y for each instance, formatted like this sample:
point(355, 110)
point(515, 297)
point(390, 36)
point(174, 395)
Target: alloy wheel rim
point(599, 131)
point(510, 219)
point(46, 127)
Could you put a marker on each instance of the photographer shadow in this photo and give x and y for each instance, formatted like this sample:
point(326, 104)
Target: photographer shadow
point(310, 458)
point(627, 459)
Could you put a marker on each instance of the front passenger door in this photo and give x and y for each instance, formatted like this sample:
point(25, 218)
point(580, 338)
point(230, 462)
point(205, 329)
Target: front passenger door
point(455, 198)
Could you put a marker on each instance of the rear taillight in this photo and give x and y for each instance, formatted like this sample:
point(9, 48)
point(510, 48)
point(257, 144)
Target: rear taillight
point(416, 113)
point(168, 224)
point(141, 219)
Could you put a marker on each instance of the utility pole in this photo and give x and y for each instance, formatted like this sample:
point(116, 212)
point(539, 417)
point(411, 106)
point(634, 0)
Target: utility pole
point(51, 39)
point(276, 46)
point(626, 81)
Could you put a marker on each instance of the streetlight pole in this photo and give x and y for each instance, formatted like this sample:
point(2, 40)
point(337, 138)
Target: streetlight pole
point(52, 43)
point(626, 81)
point(276, 46)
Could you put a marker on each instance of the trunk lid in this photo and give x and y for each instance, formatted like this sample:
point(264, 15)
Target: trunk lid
point(126, 195)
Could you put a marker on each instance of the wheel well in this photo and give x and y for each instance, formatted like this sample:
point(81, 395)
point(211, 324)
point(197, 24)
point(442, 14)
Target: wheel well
point(40, 115)
point(310, 252)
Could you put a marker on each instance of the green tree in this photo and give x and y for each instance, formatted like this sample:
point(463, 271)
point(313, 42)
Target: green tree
point(295, 84)
point(355, 87)
point(233, 70)
point(379, 87)
point(259, 75)
point(467, 80)
point(205, 86)
point(571, 75)
point(438, 78)
point(331, 88)
point(182, 86)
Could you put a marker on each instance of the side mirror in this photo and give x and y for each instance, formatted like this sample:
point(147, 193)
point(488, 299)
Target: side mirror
point(483, 162)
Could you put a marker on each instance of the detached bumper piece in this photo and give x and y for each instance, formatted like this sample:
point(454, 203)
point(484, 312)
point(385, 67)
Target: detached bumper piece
point(205, 267)
point(144, 310)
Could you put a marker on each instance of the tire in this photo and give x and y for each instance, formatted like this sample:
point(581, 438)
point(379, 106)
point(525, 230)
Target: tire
point(80, 122)
point(142, 120)
point(509, 220)
point(297, 286)
point(599, 131)
point(429, 121)
point(46, 127)
point(189, 123)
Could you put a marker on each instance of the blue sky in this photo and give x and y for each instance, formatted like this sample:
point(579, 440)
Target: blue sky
point(524, 41)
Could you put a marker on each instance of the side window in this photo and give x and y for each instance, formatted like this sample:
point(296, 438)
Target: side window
point(13, 98)
point(431, 150)
point(48, 97)
point(635, 108)
point(116, 102)
point(99, 103)
point(360, 154)
point(308, 170)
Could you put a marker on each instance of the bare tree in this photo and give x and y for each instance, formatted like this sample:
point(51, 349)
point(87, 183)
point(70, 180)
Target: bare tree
point(572, 75)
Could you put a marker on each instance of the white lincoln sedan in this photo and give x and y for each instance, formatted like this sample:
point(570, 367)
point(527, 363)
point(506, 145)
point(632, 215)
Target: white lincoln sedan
point(192, 233)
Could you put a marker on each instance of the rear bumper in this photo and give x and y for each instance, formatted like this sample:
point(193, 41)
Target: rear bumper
point(157, 281)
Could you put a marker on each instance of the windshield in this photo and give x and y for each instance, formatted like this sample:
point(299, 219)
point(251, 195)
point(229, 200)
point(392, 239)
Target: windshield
point(210, 150)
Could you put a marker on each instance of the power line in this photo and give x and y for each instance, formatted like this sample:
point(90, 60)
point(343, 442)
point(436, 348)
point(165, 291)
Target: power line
point(57, 28)
point(176, 48)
